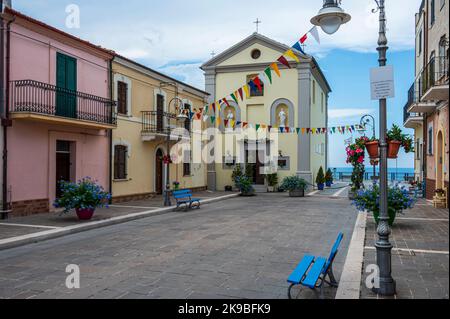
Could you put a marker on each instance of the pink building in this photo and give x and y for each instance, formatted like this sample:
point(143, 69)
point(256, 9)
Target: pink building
point(60, 112)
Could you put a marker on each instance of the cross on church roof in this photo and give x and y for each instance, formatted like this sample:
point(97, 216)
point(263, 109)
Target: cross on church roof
point(257, 22)
point(213, 54)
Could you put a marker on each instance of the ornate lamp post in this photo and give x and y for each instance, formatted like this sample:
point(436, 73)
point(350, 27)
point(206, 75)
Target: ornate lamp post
point(330, 17)
point(369, 120)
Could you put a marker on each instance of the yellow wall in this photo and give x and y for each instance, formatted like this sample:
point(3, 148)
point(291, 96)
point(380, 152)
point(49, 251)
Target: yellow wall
point(141, 161)
point(318, 119)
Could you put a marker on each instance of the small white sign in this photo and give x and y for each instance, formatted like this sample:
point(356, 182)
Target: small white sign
point(382, 82)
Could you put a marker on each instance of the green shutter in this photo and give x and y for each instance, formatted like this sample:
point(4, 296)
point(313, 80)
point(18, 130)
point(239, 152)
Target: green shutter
point(66, 82)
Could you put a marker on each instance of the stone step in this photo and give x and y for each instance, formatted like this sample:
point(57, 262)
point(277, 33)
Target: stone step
point(260, 188)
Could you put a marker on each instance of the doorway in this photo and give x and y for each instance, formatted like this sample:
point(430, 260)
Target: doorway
point(440, 161)
point(254, 166)
point(159, 169)
point(63, 164)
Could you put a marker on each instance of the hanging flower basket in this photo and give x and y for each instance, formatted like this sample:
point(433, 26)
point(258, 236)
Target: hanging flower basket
point(393, 149)
point(373, 148)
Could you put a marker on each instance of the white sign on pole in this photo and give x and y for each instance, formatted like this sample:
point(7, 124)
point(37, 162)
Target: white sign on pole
point(382, 82)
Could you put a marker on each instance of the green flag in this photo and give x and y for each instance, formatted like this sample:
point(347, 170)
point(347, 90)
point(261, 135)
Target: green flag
point(257, 127)
point(234, 98)
point(268, 72)
point(213, 119)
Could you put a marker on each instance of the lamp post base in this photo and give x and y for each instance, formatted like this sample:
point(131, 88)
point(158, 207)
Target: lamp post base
point(387, 283)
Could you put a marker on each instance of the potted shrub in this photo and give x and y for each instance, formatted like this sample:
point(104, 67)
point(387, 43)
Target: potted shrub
point(295, 185)
point(320, 179)
point(84, 196)
point(244, 184)
point(329, 178)
point(399, 199)
point(272, 182)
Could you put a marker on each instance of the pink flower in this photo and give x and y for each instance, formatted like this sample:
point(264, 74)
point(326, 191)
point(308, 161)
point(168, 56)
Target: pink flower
point(359, 151)
point(361, 159)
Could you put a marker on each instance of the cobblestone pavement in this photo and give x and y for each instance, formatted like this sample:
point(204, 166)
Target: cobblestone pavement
point(17, 226)
point(421, 266)
point(240, 248)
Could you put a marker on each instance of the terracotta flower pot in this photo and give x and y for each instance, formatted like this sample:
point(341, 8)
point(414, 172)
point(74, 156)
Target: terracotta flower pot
point(85, 214)
point(393, 149)
point(373, 148)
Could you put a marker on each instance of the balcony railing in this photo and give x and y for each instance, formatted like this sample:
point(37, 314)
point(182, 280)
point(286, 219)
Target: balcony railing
point(158, 122)
point(28, 96)
point(434, 74)
point(413, 97)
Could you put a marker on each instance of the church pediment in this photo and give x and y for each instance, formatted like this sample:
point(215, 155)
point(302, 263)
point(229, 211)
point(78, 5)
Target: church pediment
point(255, 49)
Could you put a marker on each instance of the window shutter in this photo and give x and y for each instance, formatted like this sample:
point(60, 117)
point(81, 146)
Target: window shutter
point(122, 97)
point(120, 162)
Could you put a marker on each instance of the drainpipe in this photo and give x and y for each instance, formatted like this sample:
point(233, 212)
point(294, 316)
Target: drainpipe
point(5, 120)
point(3, 108)
point(110, 132)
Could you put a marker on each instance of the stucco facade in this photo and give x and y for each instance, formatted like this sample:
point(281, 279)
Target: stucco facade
point(143, 87)
point(33, 153)
point(301, 91)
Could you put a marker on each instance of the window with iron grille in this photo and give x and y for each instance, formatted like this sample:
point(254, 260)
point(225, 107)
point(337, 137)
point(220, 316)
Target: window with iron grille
point(122, 98)
point(120, 162)
point(187, 164)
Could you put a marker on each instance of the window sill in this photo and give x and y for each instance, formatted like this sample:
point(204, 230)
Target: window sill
point(122, 180)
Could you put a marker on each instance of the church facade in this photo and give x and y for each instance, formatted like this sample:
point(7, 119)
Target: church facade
point(298, 98)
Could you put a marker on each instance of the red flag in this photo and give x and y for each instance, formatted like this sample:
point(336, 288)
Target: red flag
point(270, 127)
point(226, 101)
point(225, 122)
point(214, 107)
point(283, 61)
point(304, 38)
point(257, 81)
point(241, 94)
point(244, 124)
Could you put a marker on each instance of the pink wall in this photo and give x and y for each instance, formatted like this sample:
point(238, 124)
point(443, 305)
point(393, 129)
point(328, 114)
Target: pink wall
point(31, 144)
point(33, 57)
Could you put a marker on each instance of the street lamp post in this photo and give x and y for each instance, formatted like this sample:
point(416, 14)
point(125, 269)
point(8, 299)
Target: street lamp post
point(330, 17)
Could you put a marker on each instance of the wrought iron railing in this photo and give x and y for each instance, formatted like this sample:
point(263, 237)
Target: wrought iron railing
point(435, 73)
point(158, 122)
point(29, 96)
point(413, 97)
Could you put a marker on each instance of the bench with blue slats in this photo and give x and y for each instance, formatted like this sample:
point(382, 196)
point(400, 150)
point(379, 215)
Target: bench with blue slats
point(184, 198)
point(312, 272)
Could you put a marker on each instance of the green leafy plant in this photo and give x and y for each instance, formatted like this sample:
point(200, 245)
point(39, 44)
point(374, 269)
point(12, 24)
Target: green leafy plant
point(272, 179)
point(329, 176)
point(244, 184)
point(399, 199)
point(395, 134)
point(237, 173)
point(85, 194)
point(320, 179)
point(293, 183)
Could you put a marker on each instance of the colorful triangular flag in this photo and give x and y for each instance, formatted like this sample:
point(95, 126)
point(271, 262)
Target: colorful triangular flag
point(283, 61)
point(241, 94)
point(315, 33)
point(292, 55)
point(268, 73)
point(274, 67)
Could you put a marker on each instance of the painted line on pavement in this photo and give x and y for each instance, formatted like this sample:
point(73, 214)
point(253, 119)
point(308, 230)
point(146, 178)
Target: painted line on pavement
point(424, 219)
point(313, 193)
point(413, 251)
point(339, 193)
point(70, 230)
point(30, 226)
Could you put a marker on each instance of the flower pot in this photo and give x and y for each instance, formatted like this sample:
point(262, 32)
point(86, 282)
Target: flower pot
point(271, 189)
point(297, 193)
point(321, 187)
point(329, 184)
point(85, 214)
point(393, 149)
point(373, 148)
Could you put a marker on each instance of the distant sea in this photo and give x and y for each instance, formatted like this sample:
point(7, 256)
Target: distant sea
point(369, 169)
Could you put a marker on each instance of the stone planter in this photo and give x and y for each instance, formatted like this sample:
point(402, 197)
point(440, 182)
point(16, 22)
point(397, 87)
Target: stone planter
point(271, 189)
point(297, 193)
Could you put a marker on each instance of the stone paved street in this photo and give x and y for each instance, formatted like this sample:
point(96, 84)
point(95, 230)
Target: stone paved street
point(420, 259)
point(239, 248)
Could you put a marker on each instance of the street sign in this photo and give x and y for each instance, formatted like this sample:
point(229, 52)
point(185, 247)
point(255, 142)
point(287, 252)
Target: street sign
point(382, 82)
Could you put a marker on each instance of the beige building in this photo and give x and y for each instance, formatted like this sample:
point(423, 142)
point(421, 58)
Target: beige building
point(148, 105)
point(427, 108)
point(299, 96)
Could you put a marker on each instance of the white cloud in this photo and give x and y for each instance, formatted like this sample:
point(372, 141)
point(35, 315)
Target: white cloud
point(348, 113)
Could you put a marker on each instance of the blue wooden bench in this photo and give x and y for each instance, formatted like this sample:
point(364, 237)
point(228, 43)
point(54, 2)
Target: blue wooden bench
point(184, 198)
point(312, 272)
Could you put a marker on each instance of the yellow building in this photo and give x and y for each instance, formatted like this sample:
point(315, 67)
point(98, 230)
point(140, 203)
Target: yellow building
point(299, 97)
point(148, 107)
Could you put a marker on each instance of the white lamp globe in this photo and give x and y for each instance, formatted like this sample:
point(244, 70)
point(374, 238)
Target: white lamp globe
point(331, 17)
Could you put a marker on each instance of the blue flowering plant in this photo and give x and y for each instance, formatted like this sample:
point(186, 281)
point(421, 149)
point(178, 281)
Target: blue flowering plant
point(399, 200)
point(85, 194)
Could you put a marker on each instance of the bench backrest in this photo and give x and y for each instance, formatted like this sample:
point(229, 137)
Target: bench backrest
point(182, 194)
point(334, 252)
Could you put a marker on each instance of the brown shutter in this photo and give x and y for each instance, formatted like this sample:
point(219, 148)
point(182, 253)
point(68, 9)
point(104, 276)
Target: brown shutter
point(120, 162)
point(122, 97)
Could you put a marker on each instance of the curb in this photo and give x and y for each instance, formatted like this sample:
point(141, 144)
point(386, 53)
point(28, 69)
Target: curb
point(70, 230)
point(350, 284)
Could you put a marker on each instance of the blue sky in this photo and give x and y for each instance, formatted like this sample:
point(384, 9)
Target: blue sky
point(177, 36)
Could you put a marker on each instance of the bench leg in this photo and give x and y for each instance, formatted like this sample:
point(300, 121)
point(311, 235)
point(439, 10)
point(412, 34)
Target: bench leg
point(290, 291)
point(333, 282)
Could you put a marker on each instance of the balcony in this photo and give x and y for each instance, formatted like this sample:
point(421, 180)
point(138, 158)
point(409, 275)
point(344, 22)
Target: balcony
point(435, 80)
point(412, 119)
point(42, 102)
point(158, 126)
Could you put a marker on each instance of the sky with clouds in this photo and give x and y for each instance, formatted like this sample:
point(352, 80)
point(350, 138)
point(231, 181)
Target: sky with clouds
point(177, 36)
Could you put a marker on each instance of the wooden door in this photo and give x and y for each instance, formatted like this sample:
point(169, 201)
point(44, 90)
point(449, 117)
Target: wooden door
point(259, 178)
point(159, 172)
point(62, 165)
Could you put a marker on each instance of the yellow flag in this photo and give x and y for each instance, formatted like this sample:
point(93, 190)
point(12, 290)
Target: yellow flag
point(218, 107)
point(218, 120)
point(247, 91)
point(233, 122)
point(292, 55)
point(274, 67)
